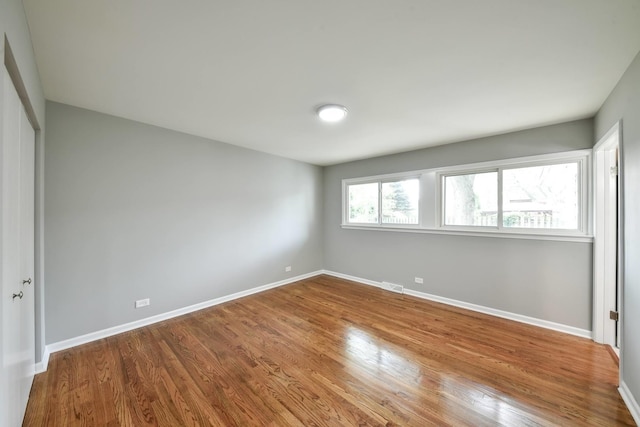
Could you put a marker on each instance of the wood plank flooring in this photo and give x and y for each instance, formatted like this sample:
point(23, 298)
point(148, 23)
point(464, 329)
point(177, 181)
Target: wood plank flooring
point(328, 352)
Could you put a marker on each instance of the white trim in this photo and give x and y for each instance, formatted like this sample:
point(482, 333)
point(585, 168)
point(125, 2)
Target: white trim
point(632, 403)
point(605, 269)
point(478, 308)
point(583, 193)
point(435, 225)
point(353, 279)
point(94, 336)
point(485, 233)
point(503, 314)
point(602, 142)
point(42, 365)
point(104, 333)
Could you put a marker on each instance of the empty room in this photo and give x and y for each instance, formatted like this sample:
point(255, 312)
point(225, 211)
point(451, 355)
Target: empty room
point(337, 213)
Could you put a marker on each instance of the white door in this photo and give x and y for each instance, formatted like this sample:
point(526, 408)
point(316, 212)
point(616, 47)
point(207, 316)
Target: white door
point(18, 344)
point(27, 255)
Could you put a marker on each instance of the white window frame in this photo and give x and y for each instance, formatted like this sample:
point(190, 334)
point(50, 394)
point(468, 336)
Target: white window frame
point(431, 204)
point(440, 192)
point(379, 180)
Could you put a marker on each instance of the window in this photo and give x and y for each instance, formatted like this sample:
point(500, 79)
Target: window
point(384, 202)
point(471, 199)
point(363, 203)
point(400, 202)
point(541, 196)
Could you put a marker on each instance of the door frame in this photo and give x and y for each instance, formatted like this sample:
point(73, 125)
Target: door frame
point(607, 267)
point(12, 67)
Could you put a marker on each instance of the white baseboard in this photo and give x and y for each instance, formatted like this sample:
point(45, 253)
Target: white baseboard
point(474, 307)
point(94, 336)
point(354, 279)
point(630, 401)
point(42, 365)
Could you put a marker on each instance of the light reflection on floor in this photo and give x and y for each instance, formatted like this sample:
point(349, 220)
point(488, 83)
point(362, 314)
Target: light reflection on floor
point(459, 392)
point(378, 356)
point(456, 394)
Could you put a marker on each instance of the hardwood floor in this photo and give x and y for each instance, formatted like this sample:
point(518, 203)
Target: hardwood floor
point(325, 351)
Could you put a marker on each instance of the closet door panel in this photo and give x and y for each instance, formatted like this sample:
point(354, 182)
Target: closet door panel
point(17, 332)
point(27, 253)
point(11, 284)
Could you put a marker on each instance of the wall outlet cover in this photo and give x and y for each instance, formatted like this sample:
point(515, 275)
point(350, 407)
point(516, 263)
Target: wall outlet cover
point(143, 302)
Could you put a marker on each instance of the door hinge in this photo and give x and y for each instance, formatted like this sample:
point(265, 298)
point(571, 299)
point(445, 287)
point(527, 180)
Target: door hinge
point(614, 315)
point(614, 170)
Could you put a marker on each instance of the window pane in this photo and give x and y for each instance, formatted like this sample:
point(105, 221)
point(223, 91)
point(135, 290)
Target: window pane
point(471, 199)
point(400, 202)
point(363, 203)
point(541, 197)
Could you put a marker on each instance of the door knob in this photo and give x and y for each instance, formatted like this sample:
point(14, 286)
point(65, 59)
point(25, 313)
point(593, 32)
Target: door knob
point(20, 295)
point(27, 282)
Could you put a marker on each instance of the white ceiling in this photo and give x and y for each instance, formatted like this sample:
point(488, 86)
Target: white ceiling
point(413, 73)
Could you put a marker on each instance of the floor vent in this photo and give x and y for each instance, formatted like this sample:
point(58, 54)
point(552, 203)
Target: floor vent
point(393, 287)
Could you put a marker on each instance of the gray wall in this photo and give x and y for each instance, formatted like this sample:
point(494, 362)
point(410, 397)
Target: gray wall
point(13, 26)
point(548, 280)
point(136, 211)
point(13, 23)
point(624, 103)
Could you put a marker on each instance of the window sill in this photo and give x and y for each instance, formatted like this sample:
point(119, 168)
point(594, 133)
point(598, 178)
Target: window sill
point(487, 233)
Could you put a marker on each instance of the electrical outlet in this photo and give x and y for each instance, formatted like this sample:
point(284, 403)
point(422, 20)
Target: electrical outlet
point(287, 268)
point(419, 280)
point(143, 302)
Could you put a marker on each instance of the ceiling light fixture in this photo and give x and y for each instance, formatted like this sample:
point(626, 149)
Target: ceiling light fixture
point(332, 112)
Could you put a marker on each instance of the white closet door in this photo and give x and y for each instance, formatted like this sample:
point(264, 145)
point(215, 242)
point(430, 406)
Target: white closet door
point(11, 313)
point(27, 253)
point(17, 300)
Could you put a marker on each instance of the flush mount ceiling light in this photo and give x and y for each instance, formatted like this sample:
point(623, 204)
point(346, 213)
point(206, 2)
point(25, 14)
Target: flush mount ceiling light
point(332, 112)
